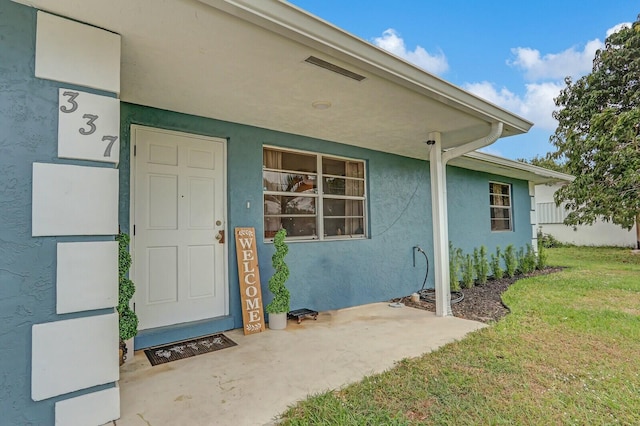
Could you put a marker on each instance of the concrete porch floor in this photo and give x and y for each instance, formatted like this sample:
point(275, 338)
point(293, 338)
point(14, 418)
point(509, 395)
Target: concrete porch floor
point(250, 384)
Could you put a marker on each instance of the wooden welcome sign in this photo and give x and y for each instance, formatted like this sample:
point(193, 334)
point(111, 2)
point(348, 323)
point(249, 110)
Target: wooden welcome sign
point(249, 276)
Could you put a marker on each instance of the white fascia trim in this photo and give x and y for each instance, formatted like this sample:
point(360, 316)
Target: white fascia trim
point(517, 165)
point(295, 23)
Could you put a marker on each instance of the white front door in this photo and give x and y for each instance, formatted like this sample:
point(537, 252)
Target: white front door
point(179, 214)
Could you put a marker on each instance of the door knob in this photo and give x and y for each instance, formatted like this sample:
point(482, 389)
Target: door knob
point(220, 236)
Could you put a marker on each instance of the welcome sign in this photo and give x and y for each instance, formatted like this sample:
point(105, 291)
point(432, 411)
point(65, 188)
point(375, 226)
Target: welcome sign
point(249, 275)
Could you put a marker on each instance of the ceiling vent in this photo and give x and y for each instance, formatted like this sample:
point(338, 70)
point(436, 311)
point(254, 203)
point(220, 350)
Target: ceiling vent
point(332, 67)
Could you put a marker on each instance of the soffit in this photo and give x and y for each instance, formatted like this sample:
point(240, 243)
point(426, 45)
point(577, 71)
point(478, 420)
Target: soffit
point(221, 61)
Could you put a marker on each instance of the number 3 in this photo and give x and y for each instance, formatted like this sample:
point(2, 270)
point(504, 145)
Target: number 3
point(72, 100)
point(90, 119)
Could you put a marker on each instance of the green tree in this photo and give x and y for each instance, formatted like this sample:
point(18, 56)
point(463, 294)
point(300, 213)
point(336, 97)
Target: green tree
point(549, 161)
point(598, 135)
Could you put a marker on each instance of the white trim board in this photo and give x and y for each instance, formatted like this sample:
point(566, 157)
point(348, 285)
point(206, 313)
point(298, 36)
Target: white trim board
point(74, 200)
point(74, 354)
point(76, 53)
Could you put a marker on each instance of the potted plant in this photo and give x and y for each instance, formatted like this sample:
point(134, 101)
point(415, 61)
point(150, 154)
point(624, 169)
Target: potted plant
point(279, 306)
point(128, 320)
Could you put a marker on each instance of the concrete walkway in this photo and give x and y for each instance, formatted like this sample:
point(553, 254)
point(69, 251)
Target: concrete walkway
point(250, 384)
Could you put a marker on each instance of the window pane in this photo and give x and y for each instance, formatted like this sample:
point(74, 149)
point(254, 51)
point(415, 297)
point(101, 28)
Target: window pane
point(299, 226)
point(282, 160)
point(283, 204)
point(332, 166)
point(500, 225)
point(343, 226)
point(288, 182)
point(340, 207)
point(295, 226)
point(498, 188)
point(499, 200)
point(340, 186)
point(498, 213)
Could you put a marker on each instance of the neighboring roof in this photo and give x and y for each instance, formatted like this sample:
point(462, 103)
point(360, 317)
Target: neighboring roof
point(244, 61)
point(488, 163)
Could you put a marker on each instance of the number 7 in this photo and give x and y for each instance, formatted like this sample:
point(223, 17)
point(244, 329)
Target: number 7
point(112, 139)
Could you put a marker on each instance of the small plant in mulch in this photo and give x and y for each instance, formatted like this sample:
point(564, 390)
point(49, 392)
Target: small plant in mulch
point(510, 262)
point(496, 266)
point(481, 264)
point(467, 271)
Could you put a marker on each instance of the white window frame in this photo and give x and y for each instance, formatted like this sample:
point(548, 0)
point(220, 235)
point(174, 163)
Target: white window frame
point(509, 208)
point(319, 196)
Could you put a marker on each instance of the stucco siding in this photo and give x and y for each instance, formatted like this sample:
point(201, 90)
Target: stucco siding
point(324, 275)
point(29, 120)
point(334, 274)
point(469, 213)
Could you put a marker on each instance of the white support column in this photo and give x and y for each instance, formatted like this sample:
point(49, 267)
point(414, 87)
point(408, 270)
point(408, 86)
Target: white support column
point(534, 217)
point(440, 226)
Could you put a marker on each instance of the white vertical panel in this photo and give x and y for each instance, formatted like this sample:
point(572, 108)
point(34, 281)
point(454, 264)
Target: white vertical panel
point(77, 53)
point(201, 271)
point(162, 196)
point(88, 126)
point(92, 409)
point(74, 200)
point(87, 276)
point(163, 274)
point(73, 354)
point(201, 203)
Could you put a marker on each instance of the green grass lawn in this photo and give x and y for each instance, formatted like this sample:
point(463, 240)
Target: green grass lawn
point(569, 353)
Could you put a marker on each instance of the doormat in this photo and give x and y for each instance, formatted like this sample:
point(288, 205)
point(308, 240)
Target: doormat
point(188, 348)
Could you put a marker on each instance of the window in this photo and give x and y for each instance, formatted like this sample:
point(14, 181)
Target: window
point(500, 202)
point(313, 196)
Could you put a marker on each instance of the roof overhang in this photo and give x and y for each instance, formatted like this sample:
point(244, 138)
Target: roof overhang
point(244, 61)
point(487, 163)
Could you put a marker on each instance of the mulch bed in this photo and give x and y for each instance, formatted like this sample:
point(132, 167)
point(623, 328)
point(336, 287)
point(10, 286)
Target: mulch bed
point(482, 302)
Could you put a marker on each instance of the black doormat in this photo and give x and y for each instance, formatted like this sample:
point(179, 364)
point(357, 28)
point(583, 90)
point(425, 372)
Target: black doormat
point(188, 348)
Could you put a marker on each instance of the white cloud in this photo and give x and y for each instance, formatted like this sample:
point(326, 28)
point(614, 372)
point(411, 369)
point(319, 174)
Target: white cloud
point(535, 105)
point(618, 27)
point(570, 62)
point(392, 42)
point(545, 74)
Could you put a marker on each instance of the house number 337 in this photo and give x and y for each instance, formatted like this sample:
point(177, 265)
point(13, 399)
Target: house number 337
point(87, 118)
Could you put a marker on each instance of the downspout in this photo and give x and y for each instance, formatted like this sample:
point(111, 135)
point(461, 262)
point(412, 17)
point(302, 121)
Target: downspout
point(438, 169)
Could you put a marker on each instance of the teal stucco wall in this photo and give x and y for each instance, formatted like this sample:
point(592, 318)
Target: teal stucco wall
point(470, 217)
point(335, 274)
point(328, 274)
point(324, 275)
point(28, 134)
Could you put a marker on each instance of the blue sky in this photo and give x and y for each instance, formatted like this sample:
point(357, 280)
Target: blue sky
point(513, 53)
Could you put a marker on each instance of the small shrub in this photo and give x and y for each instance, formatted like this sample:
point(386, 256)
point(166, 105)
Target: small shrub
point(542, 256)
point(454, 268)
point(529, 261)
point(481, 264)
point(467, 271)
point(496, 267)
point(548, 240)
point(510, 262)
point(520, 260)
point(281, 295)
